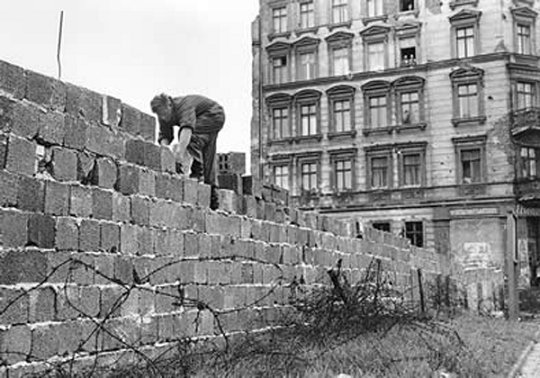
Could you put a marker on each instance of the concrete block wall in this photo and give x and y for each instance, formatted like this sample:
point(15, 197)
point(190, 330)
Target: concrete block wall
point(104, 248)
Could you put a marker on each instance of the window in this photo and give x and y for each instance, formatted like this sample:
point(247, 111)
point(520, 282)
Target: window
point(308, 119)
point(280, 123)
point(412, 169)
point(307, 15)
point(529, 162)
point(525, 95)
point(407, 51)
point(523, 39)
point(381, 226)
point(465, 33)
point(471, 163)
point(341, 105)
point(342, 115)
point(410, 108)
point(306, 66)
point(376, 56)
point(378, 116)
point(340, 11)
point(342, 173)
point(340, 61)
point(380, 170)
point(470, 159)
point(375, 8)
point(279, 70)
point(468, 100)
point(281, 176)
point(414, 231)
point(308, 171)
point(524, 30)
point(465, 42)
point(468, 96)
point(406, 5)
point(279, 16)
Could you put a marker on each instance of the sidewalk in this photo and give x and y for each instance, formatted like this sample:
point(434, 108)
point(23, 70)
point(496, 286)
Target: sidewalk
point(531, 366)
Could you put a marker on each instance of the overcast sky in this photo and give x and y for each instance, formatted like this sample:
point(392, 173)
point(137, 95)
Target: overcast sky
point(132, 49)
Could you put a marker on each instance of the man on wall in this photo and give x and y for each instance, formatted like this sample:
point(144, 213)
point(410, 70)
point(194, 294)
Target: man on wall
point(199, 119)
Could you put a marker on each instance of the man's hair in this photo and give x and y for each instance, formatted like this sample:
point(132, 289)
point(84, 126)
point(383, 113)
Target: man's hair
point(159, 101)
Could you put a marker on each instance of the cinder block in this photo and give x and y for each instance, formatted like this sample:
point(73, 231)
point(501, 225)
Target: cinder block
point(70, 335)
point(9, 186)
point(13, 306)
point(28, 266)
point(110, 237)
point(45, 91)
point(13, 79)
point(3, 150)
point(203, 195)
point(111, 113)
point(75, 132)
point(89, 236)
point(135, 149)
point(140, 210)
point(105, 173)
point(85, 167)
point(128, 239)
point(51, 128)
point(129, 179)
point(80, 201)
point(123, 270)
point(164, 186)
point(13, 230)
point(20, 118)
point(64, 163)
point(147, 183)
point(56, 198)
point(67, 234)
point(21, 156)
point(16, 344)
point(104, 265)
point(121, 209)
point(231, 181)
point(84, 103)
point(42, 305)
point(227, 201)
point(148, 127)
point(103, 141)
point(152, 156)
point(191, 188)
point(220, 224)
point(41, 230)
point(131, 119)
point(145, 241)
point(31, 194)
point(101, 204)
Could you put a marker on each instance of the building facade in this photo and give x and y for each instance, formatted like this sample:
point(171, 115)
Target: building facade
point(419, 117)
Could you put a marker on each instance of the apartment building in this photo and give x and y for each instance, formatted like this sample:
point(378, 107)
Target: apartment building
point(418, 117)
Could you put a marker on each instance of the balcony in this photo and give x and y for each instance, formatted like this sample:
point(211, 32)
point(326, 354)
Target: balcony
point(528, 190)
point(525, 124)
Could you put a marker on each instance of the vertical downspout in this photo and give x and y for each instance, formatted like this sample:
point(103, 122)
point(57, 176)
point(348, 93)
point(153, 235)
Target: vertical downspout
point(261, 78)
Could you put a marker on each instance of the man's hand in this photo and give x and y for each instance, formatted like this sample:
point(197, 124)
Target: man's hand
point(183, 158)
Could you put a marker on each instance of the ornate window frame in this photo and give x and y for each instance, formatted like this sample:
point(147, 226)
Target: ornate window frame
point(339, 23)
point(339, 40)
point(527, 17)
point(275, 51)
point(463, 76)
point(304, 45)
point(465, 18)
point(280, 33)
point(281, 161)
point(279, 101)
point(417, 148)
point(340, 93)
point(407, 31)
point(307, 28)
point(468, 143)
point(377, 152)
point(302, 98)
point(348, 154)
point(410, 84)
point(375, 34)
point(377, 88)
point(372, 18)
point(305, 158)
